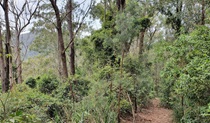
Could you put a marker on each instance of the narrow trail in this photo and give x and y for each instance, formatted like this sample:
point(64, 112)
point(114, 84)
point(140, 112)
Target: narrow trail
point(153, 114)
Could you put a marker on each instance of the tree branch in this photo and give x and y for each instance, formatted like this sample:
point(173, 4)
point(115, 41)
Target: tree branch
point(79, 27)
point(32, 13)
point(71, 10)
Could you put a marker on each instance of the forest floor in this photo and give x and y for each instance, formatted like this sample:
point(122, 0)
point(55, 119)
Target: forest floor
point(152, 114)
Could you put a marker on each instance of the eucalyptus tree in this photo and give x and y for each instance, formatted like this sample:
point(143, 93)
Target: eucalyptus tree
point(200, 10)
point(68, 18)
point(61, 47)
point(134, 22)
point(44, 28)
point(22, 18)
point(183, 13)
point(103, 44)
point(8, 52)
point(121, 7)
point(71, 12)
point(203, 11)
point(131, 24)
point(173, 10)
point(70, 27)
point(2, 62)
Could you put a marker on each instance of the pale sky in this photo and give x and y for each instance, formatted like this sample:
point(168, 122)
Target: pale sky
point(96, 24)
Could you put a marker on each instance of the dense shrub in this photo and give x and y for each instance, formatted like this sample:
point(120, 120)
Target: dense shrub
point(97, 106)
point(56, 112)
point(185, 78)
point(31, 82)
point(20, 117)
point(47, 83)
point(24, 104)
point(125, 108)
point(79, 86)
point(143, 85)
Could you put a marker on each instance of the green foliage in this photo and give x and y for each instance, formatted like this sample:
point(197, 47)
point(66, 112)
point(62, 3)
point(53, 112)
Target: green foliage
point(125, 107)
point(104, 83)
point(100, 49)
point(206, 112)
point(56, 112)
point(24, 104)
point(101, 102)
point(81, 88)
point(142, 88)
point(97, 11)
point(186, 75)
point(47, 83)
point(31, 82)
point(40, 65)
point(20, 117)
point(76, 89)
point(105, 73)
point(97, 106)
point(45, 42)
point(144, 23)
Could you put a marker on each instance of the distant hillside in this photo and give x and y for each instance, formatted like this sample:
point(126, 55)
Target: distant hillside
point(26, 41)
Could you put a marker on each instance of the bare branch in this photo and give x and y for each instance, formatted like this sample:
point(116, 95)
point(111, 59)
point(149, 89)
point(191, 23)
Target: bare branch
point(53, 3)
point(80, 25)
point(32, 13)
point(73, 9)
point(2, 4)
point(23, 20)
point(47, 19)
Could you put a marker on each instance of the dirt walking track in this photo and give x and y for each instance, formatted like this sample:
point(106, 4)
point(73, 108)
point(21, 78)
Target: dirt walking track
point(154, 114)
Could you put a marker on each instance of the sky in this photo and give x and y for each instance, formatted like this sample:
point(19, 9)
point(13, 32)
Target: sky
point(95, 24)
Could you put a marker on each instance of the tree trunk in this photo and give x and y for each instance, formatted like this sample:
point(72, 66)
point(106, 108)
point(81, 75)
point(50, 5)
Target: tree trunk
point(18, 59)
point(71, 37)
point(2, 64)
point(203, 13)
point(178, 22)
point(120, 86)
point(141, 42)
point(61, 48)
point(21, 21)
point(121, 4)
point(135, 97)
point(8, 51)
point(61, 53)
point(119, 107)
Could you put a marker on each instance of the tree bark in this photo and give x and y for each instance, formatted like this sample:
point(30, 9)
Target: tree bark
point(18, 58)
point(119, 107)
point(61, 53)
point(71, 37)
point(203, 13)
point(120, 86)
point(121, 4)
point(61, 48)
point(178, 22)
point(8, 51)
point(21, 22)
point(2, 64)
point(141, 42)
